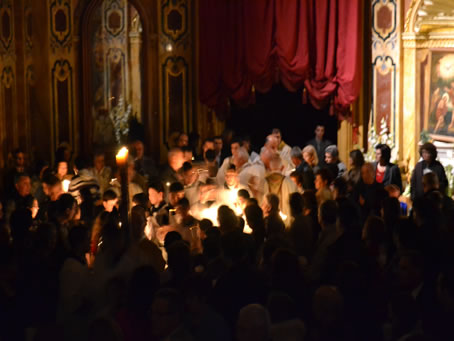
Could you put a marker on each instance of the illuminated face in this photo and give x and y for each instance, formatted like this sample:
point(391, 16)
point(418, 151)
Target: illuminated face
point(378, 155)
point(24, 186)
point(20, 160)
point(272, 144)
point(295, 180)
point(426, 155)
point(319, 182)
point(99, 162)
point(329, 158)
point(174, 197)
point(110, 204)
point(235, 147)
point(187, 155)
point(308, 157)
point(62, 169)
point(231, 178)
point(176, 161)
point(183, 140)
point(138, 146)
point(319, 132)
point(155, 197)
point(189, 177)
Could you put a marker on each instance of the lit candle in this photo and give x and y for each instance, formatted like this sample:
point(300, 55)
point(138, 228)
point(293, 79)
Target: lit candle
point(65, 184)
point(122, 157)
point(283, 216)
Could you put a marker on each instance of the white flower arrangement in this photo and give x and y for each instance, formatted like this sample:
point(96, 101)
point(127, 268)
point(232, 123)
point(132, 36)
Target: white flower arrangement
point(120, 119)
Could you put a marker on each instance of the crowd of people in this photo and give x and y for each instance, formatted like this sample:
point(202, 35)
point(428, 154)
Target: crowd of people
point(225, 242)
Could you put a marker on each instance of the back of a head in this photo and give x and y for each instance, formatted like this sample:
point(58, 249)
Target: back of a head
point(65, 202)
point(227, 219)
point(296, 203)
point(253, 323)
point(138, 222)
point(275, 163)
point(176, 187)
point(430, 182)
point(296, 153)
point(325, 174)
point(170, 238)
point(357, 157)
point(328, 212)
point(141, 199)
point(243, 193)
point(332, 150)
point(273, 200)
point(328, 306)
point(254, 216)
point(157, 186)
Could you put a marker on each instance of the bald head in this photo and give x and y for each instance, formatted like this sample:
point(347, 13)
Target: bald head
point(275, 163)
point(266, 155)
point(253, 323)
point(241, 157)
point(272, 143)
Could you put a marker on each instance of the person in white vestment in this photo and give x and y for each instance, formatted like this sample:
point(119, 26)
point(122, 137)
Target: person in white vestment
point(281, 185)
point(234, 148)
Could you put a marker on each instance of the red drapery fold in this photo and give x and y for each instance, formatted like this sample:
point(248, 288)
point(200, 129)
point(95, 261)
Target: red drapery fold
point(302, 43)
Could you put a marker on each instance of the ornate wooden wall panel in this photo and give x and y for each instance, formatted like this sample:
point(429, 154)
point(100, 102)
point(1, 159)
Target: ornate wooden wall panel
point(176, 56)
point(62, 64)
point(385, 65)
point(8, 117)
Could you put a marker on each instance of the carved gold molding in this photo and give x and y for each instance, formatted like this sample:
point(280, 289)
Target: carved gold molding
point(410, 17)
point(428, 44)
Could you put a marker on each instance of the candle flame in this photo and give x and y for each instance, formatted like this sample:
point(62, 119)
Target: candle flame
point(283, 216)
point(123, 153)
point(65, 184)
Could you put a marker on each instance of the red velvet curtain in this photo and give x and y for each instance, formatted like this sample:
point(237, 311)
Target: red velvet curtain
point(247, 44)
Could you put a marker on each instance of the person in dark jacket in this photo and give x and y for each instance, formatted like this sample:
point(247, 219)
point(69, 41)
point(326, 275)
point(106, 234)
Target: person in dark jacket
point(428, 164)
point(386, 173)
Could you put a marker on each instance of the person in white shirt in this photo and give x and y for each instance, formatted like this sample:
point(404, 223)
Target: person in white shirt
point(283, 148)
point(272, 143)
point(281, 185)
point(254, 175)
point(100, 172)
point(234, 148)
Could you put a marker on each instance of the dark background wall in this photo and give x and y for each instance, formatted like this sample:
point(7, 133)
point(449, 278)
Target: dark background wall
point(282, 109)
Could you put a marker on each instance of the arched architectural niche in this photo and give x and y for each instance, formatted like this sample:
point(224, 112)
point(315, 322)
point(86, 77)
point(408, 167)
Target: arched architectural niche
point(150, 90)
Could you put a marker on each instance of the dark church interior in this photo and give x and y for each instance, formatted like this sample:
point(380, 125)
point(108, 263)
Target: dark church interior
point(226, 170)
